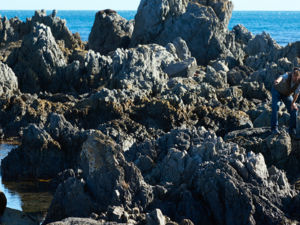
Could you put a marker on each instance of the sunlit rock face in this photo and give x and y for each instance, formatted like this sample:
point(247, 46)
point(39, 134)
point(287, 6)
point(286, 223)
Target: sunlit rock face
point(202, 24)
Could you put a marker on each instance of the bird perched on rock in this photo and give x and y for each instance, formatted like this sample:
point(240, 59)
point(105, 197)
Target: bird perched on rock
point(3, 202)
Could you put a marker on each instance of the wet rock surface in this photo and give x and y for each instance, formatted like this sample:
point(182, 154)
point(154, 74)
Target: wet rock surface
point(159, 122)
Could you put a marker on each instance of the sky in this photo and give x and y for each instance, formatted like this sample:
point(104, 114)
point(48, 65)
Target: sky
point(277, 5)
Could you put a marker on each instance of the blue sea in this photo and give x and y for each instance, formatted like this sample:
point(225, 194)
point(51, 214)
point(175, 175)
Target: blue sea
point(283, 26)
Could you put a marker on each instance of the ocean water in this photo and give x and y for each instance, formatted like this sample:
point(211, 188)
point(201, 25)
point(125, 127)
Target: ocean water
point(30, 197)
point(283, 26)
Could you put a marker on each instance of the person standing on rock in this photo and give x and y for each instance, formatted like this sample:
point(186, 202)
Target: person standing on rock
point(283, 89)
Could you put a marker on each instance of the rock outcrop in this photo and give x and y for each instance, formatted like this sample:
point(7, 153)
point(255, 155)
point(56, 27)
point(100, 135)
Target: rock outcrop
point(8, 81)
point(177, 169)
point(109, 32)
point(38, 61)
point(14, 29)
point(10, 30)
point(171, 128)
point(202, 24)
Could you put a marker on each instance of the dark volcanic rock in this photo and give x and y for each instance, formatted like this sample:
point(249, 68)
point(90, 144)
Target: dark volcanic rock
point(109, 32)
point(110, 179)
point(202, 24)
point(8, 81)
point(44, 153)
point(39, 156)
point(14, 29)
point(135, 136)
point(203, 176)
point(10, 30)
point(79, 221)
point(70, 199)
point(58, 28)
point(262, 43)
point(38, 60)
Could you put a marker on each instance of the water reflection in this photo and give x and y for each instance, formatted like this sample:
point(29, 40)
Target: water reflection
point(13, 198)
point(29, 197)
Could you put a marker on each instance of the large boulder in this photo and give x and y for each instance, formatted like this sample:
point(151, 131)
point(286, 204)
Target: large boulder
point(39, 156)
point(16, 217)
point(202, 24)
point(70, 199)
point(148, 67)
point(109, 32)
point(8, 81)
point(38, 60)
point(109, 180)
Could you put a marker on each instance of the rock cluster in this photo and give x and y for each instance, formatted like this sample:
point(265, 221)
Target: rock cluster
point(109, 32)
point(160, 120)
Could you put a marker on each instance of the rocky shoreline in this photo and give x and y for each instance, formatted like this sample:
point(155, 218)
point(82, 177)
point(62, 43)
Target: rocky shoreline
point(159, 120)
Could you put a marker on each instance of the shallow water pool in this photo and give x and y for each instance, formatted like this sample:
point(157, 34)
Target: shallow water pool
point(33, 198)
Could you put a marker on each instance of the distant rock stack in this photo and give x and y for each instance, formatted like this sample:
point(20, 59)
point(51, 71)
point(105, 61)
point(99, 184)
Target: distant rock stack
point(109, 32)
point(54, 12)
point(3, 202)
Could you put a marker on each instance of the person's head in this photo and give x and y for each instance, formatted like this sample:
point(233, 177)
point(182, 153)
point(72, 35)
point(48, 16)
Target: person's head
point(296, 74)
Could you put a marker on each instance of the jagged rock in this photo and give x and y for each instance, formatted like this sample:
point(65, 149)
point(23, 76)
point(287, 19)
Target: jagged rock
point(111, 179)
point(57, 126)
point(16, 217)
point(295, 207)
point(21, 110)
point(276, 149)
point(264, 117)
point(148, 104)
point(108, 178)
point(236, 76)
point(280, 147)
point(9, 30)
point(267, 73)
point(90, 74)
point(216, 79)
point(58, 28)
point(223, 119)
point(39, 156)
point(234, 172)
point(70, 199)
point(179, 47)
point(116, 213)
point(255, 90)
point(38, 60)
point(219, 66)
point(222, 9)
point(261, 43)
point(186, 68)
point(155, 218)
point(109, 32)
point(146, 67)
point(79, 221)
point(8, 81)
point(242, 35)
point(162, 21)
point(14, 29)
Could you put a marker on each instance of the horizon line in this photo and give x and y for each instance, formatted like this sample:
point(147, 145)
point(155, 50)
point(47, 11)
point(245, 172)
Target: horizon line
point(238, 10)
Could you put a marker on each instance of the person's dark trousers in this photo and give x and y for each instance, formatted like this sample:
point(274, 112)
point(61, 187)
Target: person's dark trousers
point(287, 100)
